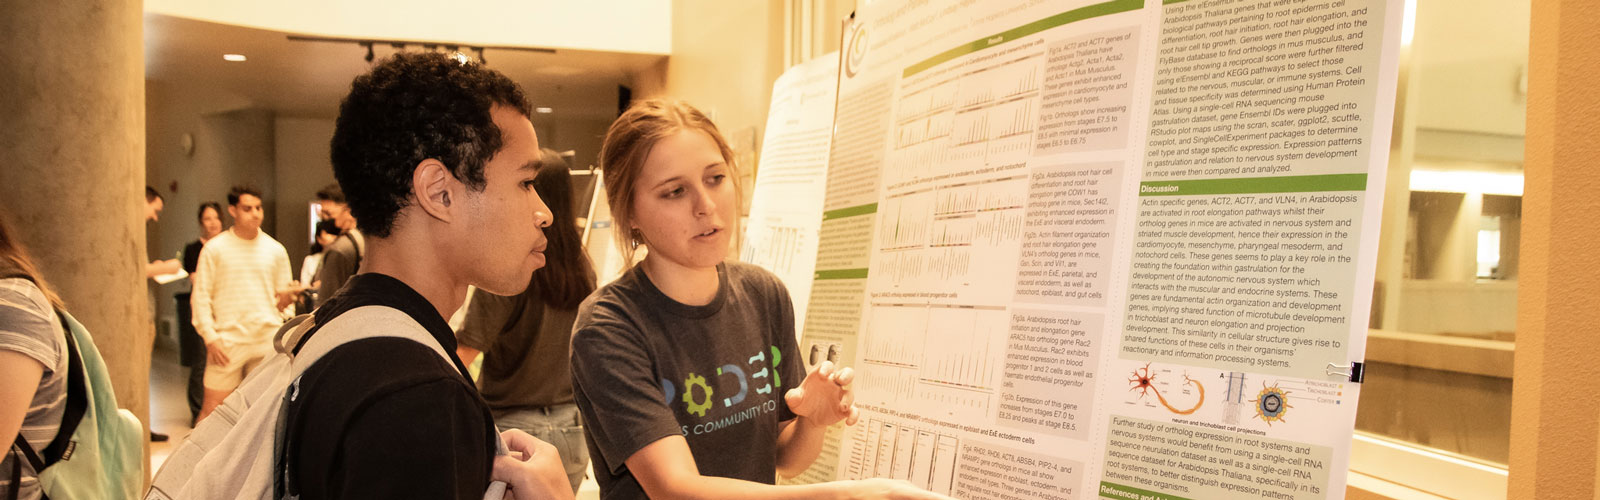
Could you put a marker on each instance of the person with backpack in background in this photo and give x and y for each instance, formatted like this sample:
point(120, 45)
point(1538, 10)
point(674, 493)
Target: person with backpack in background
point(56, 400)
point(342, 259)
point(327, 232)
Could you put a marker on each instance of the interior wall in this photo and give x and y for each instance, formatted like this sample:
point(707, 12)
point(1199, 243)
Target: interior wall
point(725, 56)
point(1474, 51)
point(232, 144)
point(580, 135)
point(301, 167)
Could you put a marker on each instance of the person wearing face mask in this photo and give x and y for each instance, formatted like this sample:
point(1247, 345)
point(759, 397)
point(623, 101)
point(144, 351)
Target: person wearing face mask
point(191, 348)
point(685, 368)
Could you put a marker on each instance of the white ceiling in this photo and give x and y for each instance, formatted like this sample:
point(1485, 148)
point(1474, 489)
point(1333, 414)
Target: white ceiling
point(307, 79)
point(636, 26)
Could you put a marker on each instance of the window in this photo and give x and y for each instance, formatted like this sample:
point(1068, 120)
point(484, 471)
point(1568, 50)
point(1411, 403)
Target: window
point(1444, 308)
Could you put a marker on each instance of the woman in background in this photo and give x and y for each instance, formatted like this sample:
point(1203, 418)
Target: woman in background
point(524, 338)
point(33, 364)
point(686, 368)
point(191, 348)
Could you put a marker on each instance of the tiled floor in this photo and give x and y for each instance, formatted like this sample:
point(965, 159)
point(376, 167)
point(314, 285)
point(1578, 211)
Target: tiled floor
point(169, 411)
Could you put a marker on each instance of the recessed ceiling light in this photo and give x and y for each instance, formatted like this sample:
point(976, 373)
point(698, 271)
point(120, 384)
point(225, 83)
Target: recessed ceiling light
point(543, 110)
point(233, 57)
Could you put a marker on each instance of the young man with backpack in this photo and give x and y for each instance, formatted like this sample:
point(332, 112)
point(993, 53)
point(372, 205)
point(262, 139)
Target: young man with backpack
point(366, 398)
point(436, 157)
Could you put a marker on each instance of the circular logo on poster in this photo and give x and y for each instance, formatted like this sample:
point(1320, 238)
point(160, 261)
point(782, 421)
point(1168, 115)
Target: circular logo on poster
point(858, 49)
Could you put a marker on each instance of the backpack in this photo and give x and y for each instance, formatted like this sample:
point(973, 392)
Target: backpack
point(99, 450)
point(237, 452)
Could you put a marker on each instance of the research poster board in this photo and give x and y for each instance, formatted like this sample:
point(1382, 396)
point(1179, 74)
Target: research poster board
point(599, 235)
point(783, 227)
point(1105, 249)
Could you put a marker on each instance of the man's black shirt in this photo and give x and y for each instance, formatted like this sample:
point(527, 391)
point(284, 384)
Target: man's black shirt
point(387, 417)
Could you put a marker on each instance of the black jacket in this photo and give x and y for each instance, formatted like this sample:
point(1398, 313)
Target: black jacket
point(387, 417)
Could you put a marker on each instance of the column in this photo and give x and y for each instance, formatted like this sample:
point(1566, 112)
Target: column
point(73, 173)
point(1554, 410)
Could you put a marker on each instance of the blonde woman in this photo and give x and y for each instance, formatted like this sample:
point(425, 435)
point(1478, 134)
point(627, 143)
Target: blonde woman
point(685, 368)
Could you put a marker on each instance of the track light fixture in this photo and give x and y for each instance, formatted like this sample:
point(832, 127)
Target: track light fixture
point(453, 49)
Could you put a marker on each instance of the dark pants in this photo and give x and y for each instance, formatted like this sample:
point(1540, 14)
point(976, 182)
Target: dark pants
point(192, 354)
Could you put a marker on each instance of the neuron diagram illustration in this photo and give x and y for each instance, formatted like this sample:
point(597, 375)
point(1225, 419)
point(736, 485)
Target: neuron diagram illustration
point(1144, 381)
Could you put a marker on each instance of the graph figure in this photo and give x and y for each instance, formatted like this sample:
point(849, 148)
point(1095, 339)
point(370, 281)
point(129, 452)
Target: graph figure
point(772, 247)
point(985, 116)
point(905, 221)
point(962, 352)
point(939, 359)
point(898, 336)
point(1008, 193)
point(925, 457)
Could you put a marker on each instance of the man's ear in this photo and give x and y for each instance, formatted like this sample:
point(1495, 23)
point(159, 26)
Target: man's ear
point(435, 188)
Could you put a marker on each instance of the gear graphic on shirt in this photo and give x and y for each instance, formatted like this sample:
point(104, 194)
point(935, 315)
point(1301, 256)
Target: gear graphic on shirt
point(688, 394)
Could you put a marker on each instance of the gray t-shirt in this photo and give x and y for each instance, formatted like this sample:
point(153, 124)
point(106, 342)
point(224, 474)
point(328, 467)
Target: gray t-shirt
point(28, 326)
point(645, 367)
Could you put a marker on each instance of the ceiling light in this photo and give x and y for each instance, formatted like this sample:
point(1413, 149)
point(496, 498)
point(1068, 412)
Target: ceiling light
point(543, 110)
point(233, 57)
point(1500, 183)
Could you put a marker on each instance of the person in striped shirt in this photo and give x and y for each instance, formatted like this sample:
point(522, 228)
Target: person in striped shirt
point(242, 293)
point(33, 365)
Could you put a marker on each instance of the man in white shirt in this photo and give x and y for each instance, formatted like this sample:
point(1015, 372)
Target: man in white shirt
point(241, 296)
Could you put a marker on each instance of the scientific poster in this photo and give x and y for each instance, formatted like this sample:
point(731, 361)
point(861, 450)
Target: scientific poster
point(783, 230)
point(1106, 249)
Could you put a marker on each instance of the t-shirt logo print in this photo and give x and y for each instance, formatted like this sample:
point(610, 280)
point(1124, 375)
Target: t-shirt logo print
point(699, 406)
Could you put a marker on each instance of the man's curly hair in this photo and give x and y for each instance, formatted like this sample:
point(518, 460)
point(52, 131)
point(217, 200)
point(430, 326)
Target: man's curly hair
point(409, 108)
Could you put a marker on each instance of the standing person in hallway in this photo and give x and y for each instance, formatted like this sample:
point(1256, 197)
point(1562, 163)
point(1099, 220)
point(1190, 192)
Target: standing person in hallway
point(153, 205)
point(342, 259)
point(240, 294)
point(192, 348)
point(524, 338)
point(33, 363)
point(650, 349)
point(437, 158)
point(327, 232)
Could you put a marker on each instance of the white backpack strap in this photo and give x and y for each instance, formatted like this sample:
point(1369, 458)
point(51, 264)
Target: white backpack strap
point(363, 323)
